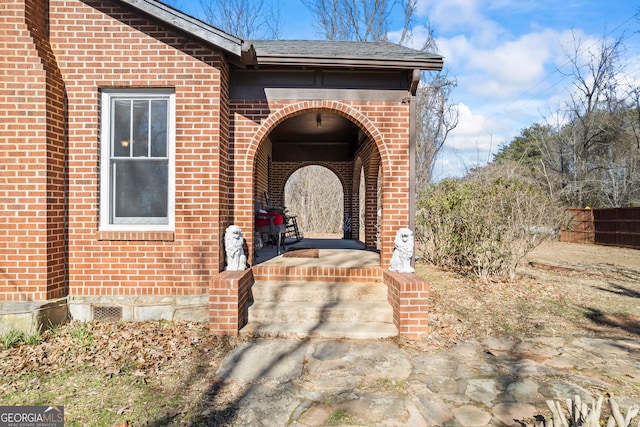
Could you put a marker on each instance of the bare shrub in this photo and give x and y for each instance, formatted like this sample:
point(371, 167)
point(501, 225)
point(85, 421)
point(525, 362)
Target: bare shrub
point(485, 224)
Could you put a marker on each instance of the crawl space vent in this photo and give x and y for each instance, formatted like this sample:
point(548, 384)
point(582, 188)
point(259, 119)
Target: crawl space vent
point(107, 313)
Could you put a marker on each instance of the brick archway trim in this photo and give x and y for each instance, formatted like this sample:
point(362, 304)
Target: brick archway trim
point(291, 110)
point(325, 165)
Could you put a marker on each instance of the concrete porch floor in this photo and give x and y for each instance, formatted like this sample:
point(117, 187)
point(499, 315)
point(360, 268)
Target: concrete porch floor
point(332, 252)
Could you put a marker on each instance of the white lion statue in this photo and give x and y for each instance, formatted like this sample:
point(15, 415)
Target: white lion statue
point(233, 242)
point(403, 253)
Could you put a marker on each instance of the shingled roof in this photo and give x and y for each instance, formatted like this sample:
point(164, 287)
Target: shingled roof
point(340, 54)
point(306, 53)
point(189, 25)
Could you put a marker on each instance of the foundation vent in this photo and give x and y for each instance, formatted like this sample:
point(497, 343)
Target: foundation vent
point(107, 313)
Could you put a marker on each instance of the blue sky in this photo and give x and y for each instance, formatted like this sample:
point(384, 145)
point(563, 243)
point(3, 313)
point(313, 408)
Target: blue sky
point(505, 55)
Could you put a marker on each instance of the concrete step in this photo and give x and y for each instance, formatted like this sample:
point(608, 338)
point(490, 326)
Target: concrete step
point(318, 312)
point(331, 330)
point(320, 308)
point(318, 291)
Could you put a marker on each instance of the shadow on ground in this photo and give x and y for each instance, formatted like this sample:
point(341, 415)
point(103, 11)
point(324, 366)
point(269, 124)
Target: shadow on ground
point(618, 321)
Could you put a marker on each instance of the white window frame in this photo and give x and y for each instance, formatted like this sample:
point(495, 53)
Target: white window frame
point(138, 224)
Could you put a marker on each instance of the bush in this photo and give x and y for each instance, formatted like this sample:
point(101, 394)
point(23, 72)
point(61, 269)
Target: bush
point(484, 225)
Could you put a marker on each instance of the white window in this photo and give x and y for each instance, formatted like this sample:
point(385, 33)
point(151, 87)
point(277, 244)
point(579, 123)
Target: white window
point(137, 178)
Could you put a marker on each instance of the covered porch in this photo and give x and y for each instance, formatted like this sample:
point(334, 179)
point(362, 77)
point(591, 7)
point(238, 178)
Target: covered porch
point(344, 106)
point(332, 251)
point(347, 107)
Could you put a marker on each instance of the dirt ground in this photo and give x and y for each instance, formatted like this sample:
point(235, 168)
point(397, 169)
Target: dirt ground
point(585, 256)
point(561, 289)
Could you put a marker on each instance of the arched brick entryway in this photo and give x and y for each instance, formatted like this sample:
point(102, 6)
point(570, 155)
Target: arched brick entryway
point(384, 157)
point(373, 156)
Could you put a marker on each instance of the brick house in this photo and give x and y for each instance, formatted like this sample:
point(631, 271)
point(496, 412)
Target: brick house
point(132, 135)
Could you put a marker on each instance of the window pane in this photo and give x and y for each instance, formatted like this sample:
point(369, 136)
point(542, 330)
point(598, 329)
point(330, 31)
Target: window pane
point(159, 128)
point(121, 128)
point(140, 188)
point(140, 128)
point(136, 192)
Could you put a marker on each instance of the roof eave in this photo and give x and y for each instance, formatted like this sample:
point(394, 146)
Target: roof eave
point(435, 63)
point(175, 18)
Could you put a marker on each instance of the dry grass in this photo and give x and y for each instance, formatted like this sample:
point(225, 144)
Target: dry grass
point(562, 290)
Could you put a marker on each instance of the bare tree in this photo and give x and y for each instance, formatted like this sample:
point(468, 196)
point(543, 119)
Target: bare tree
point(368, 20)
point(590, 129)
point(633, 98)
point(313, 194)
point(359, 20)
point(246, 19)
point(437, 116)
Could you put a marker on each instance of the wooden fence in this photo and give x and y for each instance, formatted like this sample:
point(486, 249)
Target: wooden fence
point(611, 227)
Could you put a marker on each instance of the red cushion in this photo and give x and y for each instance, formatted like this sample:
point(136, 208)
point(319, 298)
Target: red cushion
point(263, 219)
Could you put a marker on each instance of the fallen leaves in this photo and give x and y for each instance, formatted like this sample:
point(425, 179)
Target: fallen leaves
point(141, 349)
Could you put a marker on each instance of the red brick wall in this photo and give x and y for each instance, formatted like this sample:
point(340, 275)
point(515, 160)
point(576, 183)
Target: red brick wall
point(100, 44)
point(370, 159)
point(94, 51)
point(355, 197)
point(263, 165)
point(228, 301)
point(32, 157)
point(387, 125)
point(224, 162)
point(409, 296)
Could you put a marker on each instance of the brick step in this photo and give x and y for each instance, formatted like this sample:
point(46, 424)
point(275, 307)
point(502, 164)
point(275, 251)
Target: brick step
point(314, 273)
point(332, 330)
point(320, 312)
point(318, 291)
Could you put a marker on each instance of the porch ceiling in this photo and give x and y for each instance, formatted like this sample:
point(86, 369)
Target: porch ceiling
point(318, 136)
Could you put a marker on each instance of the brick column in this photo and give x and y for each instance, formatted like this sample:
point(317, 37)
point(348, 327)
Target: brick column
point(371, 213)
point(32, 157)
point(228, 300)
point(408, 294)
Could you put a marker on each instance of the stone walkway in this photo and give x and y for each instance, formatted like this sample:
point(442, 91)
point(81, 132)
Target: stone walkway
point(494, 382)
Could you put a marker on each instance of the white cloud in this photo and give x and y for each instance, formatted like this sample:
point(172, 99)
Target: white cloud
point(450, 14)
point(505, 70)
point(474, 131)
point(519, 61)
point(456, 49)
point(461, 17)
